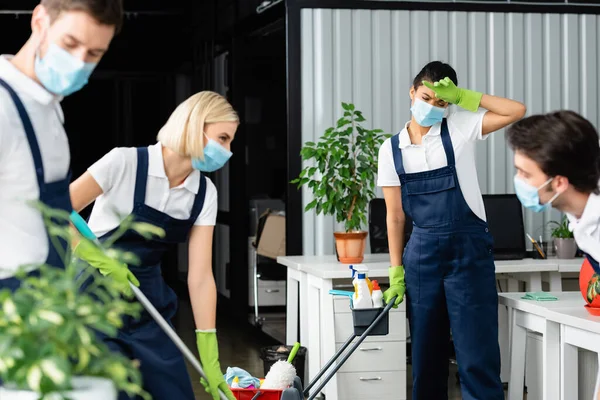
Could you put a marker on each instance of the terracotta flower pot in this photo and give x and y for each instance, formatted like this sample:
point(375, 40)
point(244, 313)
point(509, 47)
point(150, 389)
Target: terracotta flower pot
point(350, 246)
point(585, 280)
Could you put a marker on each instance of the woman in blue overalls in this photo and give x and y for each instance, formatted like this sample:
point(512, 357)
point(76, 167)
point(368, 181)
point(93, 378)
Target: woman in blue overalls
point(428, 172)
point(163, 185)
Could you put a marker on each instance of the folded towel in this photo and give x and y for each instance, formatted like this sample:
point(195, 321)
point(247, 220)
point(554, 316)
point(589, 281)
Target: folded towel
point(539, 296)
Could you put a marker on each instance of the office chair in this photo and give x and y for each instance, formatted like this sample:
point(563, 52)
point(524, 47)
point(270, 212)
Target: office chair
point(264, 268)
point(379, 244)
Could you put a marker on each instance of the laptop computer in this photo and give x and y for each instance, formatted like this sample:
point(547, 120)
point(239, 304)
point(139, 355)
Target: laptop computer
point(505, 220)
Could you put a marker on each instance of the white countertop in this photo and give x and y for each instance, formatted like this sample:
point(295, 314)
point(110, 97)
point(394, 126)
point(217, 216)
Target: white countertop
point(328, 267)
point(569, 309)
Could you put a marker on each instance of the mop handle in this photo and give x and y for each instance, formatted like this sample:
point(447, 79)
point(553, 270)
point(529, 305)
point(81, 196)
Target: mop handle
point(86, 232)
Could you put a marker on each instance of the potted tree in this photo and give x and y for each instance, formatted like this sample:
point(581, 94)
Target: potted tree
point(48, 346)
point(564, 242)
point(340, 171)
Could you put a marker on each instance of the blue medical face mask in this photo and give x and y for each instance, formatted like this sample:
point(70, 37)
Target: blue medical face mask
point(529, 195)
point(425, 114)
point(215, 157)
point(60, 72)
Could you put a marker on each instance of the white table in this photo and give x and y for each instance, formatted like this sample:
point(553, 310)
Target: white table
point(565, 325)
point(534, 316)
point(311, 277)
point(578, 329)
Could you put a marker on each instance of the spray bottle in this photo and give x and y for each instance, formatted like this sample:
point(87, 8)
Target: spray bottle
point(362, 269)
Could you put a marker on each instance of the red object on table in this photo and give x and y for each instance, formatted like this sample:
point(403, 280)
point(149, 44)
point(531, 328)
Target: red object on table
point(248, 394)
point(585, 275)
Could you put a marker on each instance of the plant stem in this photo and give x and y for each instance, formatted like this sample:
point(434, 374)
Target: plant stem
point(351, 210)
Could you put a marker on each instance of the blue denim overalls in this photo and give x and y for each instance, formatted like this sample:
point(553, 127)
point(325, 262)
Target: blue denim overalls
point(450, 283)
point(54, 194)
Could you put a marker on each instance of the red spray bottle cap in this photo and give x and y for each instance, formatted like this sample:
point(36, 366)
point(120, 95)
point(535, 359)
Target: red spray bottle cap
point(375, 285)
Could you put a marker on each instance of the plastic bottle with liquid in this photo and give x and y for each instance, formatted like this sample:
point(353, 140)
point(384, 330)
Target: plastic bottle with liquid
point(362, 269)
point(377, 295)
point(362, 298)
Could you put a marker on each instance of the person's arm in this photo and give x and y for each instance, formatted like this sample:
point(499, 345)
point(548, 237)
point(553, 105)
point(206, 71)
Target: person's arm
point(201, 282)
point(395, 220)
point(203, 296)
point(84, 191)
point(501, 112)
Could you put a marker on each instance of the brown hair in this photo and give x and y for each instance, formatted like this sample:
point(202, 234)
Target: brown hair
point(106, 12)
point(561, 143)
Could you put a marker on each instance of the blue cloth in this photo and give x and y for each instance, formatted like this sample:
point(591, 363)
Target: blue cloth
point(54, 194)
point(450, 283)
point(162, 366)
point(245, 379)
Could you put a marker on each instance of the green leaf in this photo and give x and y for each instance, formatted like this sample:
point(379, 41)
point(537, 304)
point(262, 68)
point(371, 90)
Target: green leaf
point(311, 205)
point(346, 106)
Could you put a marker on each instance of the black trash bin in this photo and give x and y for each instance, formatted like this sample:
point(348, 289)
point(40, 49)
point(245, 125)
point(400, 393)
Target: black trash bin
point(270, 355)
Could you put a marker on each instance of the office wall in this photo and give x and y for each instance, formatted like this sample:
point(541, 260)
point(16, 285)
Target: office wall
point(369, 57)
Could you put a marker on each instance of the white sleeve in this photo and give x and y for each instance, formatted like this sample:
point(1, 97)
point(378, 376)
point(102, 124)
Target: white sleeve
point(468, 123)
point(386, 170)
point(106, 170)
point(208, 215)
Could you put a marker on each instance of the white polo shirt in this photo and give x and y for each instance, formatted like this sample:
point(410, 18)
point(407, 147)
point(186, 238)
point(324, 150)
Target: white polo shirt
point(22, 232)
point(116, 175)
point(465, 129)
point(586, 229)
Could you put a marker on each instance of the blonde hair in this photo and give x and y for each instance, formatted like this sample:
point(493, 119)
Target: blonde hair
point(184, 131)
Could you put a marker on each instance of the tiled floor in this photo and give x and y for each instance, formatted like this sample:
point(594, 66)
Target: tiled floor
point(240, 348)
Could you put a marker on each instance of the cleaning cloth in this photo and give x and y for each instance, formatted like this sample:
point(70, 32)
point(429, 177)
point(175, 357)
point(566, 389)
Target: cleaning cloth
point(244, 379)
point(539, 296)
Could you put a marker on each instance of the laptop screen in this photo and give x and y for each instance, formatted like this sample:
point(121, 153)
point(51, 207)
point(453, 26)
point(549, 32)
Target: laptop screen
point(505, 221)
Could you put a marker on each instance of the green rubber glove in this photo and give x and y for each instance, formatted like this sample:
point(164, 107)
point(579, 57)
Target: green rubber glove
point(397, 286)
point(97, 258)
point(446, 90)
point(208, 349)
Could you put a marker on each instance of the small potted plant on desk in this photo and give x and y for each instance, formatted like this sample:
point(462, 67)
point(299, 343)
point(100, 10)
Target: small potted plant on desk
point(340, 171)
point(48, 345)
point(564, 242)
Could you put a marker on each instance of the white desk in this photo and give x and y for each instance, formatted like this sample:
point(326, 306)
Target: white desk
point(566, 326)
point(534, 315)
point(578, 329)
point(311, 277)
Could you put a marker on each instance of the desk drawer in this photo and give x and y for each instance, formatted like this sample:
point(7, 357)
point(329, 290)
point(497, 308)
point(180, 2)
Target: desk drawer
point(344, 326)
point(372, 385)
point(270, 293)
point(341, 305)
point(376, 356)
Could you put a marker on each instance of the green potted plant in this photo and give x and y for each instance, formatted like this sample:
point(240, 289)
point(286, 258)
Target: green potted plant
point(564, 243)
point(340, 171)
point(48, 345)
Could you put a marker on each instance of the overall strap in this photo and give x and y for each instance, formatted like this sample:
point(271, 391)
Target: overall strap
point(29, 132)
point(199, 200)
point(397, 152)
point(447, 142)
point(141, 177)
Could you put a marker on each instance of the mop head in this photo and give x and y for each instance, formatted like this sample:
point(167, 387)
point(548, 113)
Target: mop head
point(280, 377)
